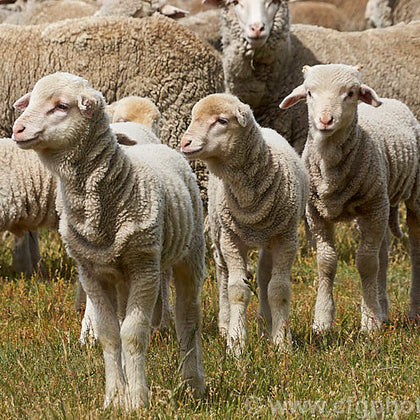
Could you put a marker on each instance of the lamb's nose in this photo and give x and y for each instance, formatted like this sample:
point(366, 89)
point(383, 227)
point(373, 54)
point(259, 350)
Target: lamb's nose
point(185, 143)
point(326, 120)
point(18, 129)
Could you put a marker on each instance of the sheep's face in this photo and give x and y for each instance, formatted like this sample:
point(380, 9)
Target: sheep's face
point(217, 123)
point(256, 18)
point(56, 114)
point(332, 93)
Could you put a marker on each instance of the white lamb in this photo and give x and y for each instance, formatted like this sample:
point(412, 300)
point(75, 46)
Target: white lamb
point(136, 109)
point(361, 161)
point(27, 202)
point(257, 193)
point(127, 216)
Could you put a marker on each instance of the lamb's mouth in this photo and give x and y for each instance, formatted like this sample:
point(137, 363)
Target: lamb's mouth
point(191, 152)
point(26, 143)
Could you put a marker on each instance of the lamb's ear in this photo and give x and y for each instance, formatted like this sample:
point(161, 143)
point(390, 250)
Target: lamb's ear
point(297, 95)
point(22, 103)
point(242, 114)
point(368, 95)
point(124, 140)
point(87, 105)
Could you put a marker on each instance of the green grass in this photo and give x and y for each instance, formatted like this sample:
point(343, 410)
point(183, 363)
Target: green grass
point(46, 373)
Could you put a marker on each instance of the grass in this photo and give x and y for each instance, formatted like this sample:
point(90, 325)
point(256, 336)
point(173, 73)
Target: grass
point(46, 373)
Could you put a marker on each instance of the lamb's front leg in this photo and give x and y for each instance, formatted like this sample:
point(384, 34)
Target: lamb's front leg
point(367, 260)
point(284, 251)
point(238, 293)
point(108, 332)
point(323, 232)
point(144, 279)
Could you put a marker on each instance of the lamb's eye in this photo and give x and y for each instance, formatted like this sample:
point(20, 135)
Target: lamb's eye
point(222, 121)
point(309, 93)
point(62, 107)
point(350, 94)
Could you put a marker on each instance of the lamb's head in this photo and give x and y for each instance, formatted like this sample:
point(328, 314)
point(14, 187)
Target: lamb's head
point(332, 92)
point(135, 109)
point(58, 113)
point(255, 17)
point(218, 122)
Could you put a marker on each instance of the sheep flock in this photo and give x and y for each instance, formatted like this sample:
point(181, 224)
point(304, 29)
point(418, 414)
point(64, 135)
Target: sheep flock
point(141, 128)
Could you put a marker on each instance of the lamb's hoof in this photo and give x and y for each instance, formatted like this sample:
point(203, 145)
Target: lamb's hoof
point(370, 323)
point(283, 342)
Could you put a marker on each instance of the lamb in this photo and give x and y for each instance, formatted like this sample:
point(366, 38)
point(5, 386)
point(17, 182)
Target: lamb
point(152, 57)
point(361, 160)
point(153, 221)
point(27, 202)
point(383, 13)
point(257, 193)
point(262, 57)
point(135, 109)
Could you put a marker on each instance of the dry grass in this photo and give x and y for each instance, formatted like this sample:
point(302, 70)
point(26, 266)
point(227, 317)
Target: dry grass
point(45, 373)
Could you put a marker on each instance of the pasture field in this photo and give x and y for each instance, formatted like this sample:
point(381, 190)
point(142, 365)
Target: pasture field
point(45, 373)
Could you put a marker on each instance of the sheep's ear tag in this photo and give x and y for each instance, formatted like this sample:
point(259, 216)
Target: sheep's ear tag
point(369, 96)
point(22, 103)
point(86, 105)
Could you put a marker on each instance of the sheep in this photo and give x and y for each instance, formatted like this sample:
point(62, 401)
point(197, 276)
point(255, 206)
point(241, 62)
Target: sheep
point(383, 13)
point(361, 160)
point(41, 12)
point(27, 202)
point(135, 109)
point(262, 58)
point(206, 25)
point(317, 13)
point(353, 10)
point(152, 57)
point(138, 8)
point(257, 193)
point(126, 217)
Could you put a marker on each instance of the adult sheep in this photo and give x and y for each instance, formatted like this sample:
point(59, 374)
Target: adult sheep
point(152, 57)
point(126, 217)
point(262, 58)
point(362, 161)
point(383, 13)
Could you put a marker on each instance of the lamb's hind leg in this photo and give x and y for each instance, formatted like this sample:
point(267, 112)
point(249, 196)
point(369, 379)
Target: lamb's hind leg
point(188, 280)
point(264, 269)
point(284, 251)
point(413, 221)
point(135, 329)
point(382, 276)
